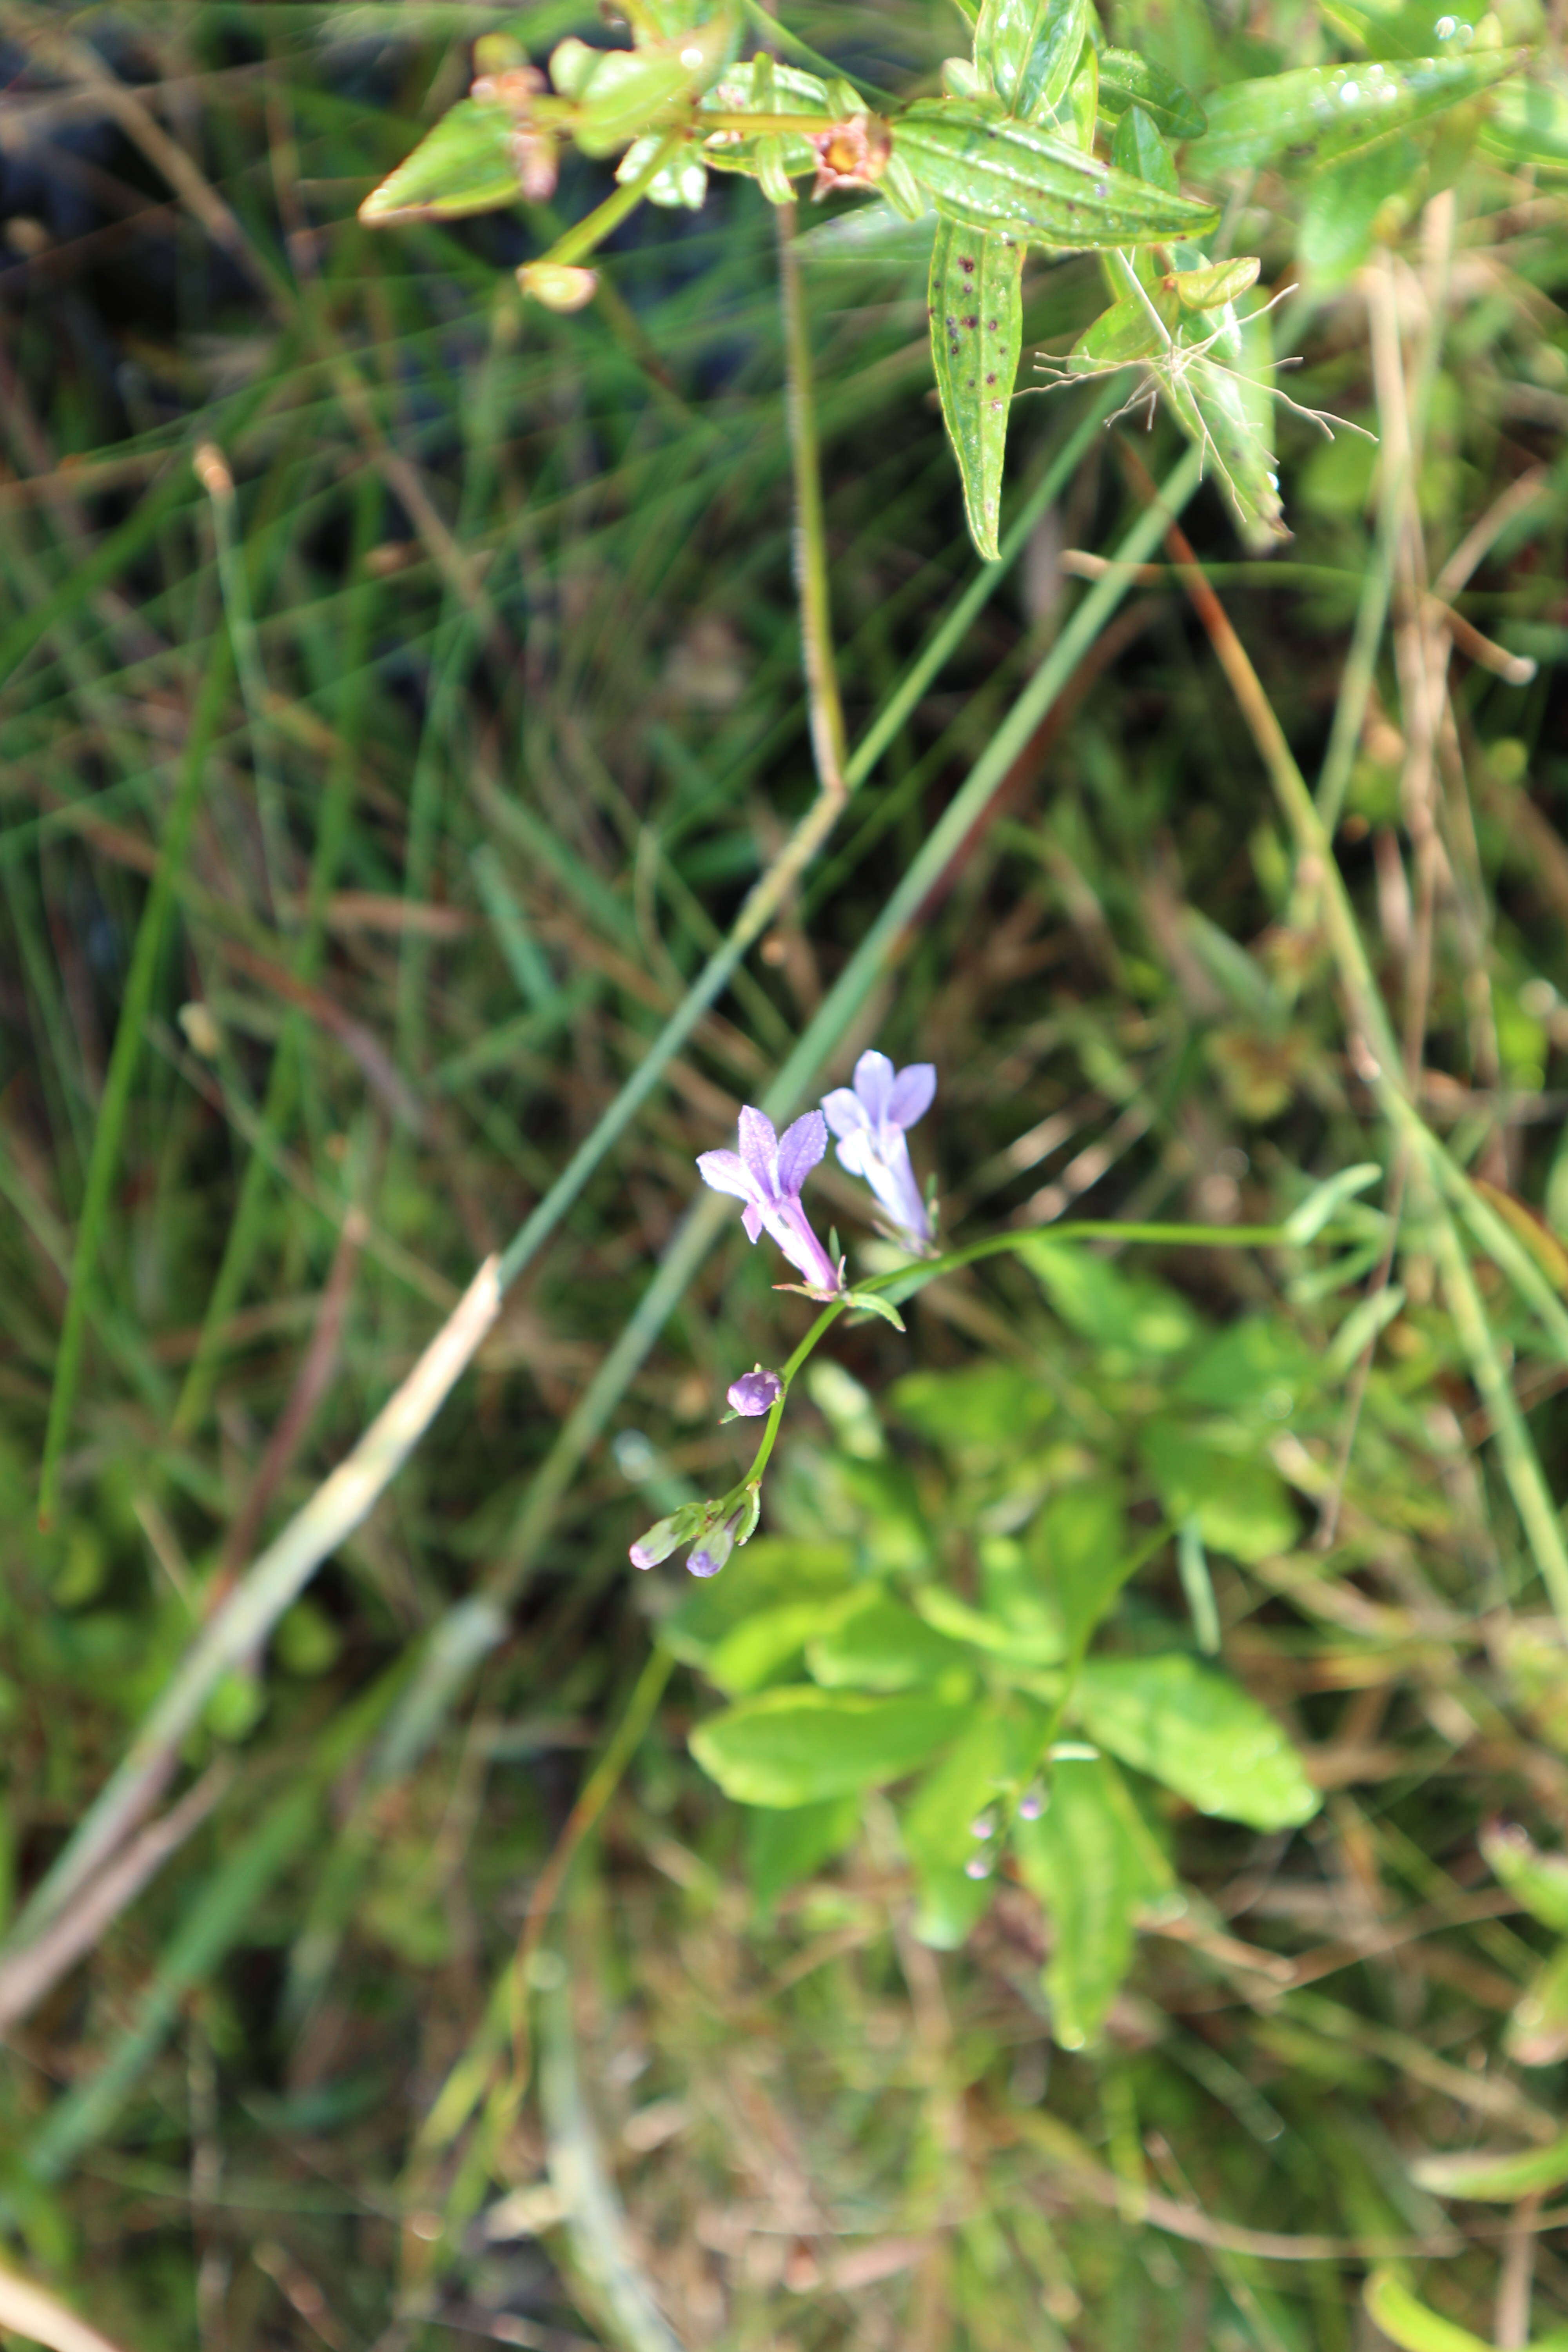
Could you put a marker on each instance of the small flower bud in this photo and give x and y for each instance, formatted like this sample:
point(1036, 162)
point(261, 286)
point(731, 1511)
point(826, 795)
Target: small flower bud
point(713, 1552)
point(984, 1825)
point(553, 283)
point(665, 1534)
point(978, 1867)
point(1032, 1803)
point(756, 1392)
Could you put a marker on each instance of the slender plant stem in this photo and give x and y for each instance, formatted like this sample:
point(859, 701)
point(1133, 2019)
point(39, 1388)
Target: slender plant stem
point(122, 1064)
point(811, 575)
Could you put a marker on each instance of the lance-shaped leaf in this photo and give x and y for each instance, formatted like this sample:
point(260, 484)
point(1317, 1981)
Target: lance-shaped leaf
point(1127, 80)
point(1029, 50)
point(991, 172)
point(1333, 110)
point(465, 165)
point(976, 333)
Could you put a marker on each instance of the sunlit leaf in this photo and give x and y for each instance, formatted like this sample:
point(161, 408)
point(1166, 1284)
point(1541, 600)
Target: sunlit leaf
point(1028, 50)
point(795, 1747)
point(1241, 1503)
point(1199, 1732)
point(1126, 80)
point(1332, 110)
point(993, 172)
point(877, 1645)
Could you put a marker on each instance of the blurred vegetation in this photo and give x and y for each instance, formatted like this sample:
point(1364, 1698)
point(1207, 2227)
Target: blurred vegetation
point(463, 723)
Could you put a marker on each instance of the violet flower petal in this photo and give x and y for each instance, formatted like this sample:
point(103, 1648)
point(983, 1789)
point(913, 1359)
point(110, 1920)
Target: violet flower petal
point(760, 1148)
point(914, 1091)
point(844, 1110)
point(726, 1172)
point(800, 1149)
point(874, 1084)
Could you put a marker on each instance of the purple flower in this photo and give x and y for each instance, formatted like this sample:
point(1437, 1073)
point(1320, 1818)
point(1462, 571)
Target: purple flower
point(767, 1173)
point(869, 1124)
point(754, 1393)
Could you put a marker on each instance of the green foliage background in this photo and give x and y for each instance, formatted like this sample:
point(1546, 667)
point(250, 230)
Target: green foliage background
point(455, 739)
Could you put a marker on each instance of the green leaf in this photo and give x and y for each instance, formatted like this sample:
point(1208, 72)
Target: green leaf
point(1259, 1366)
point(1538, 1880)
point(1494, 2180)
point(1078, 1548)
point(771, 1573)
point(1123, 1312)
point(1127, 81)
point(1020, 1598)
point(1343, 201)
point(868, 1302)
point(963, 1622)
point(991, 172)
point(1411, 2324)
point(1094, 1866)
point(795, 1747)
point(1403, 28)
point(976, 334)
point(999, 1751)
point(630, 88)
point(765, 1643)
point(1129, 331)
point(877, 1645)
point(1199, 1732)
point(1139, 149)
point(784, 1844)
point(1241, 1503)
point(985, 1412)
point(1029, 49)
point(1528, 123)
point(465, 165)
point(1215, 283)
point(1332, 110)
